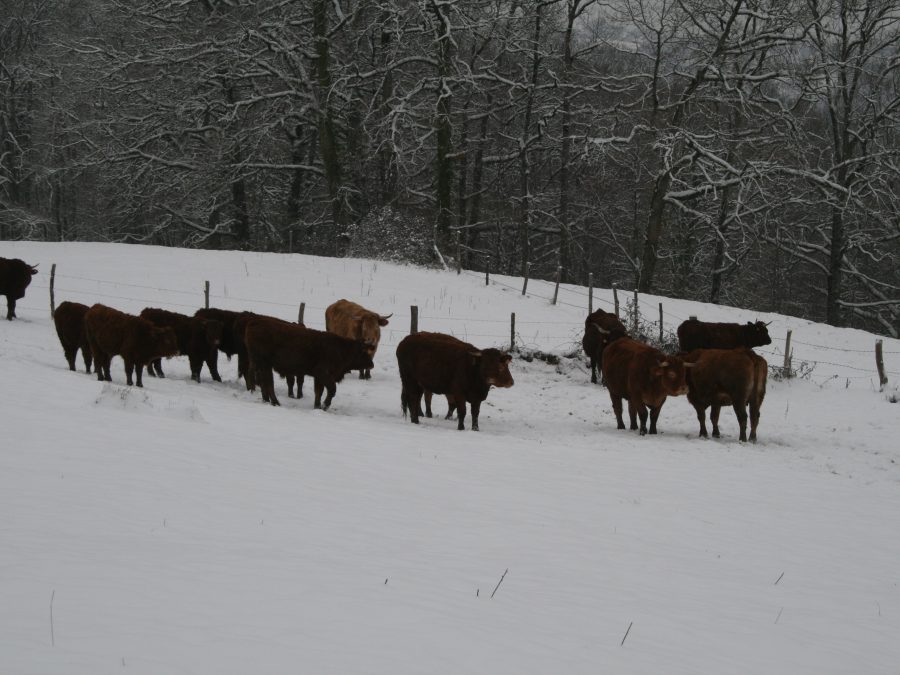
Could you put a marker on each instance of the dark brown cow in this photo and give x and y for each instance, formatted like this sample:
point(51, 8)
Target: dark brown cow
point(226, 344)
point(598, 327)
point(643, 375)
point(290, 349)
point(15, 275)
point(69, 321)
point(198, 338)
point(357, 323)
point(441, 364)
point(239, 328)
point(110, 332)
point(718, 377)
point(694, 334)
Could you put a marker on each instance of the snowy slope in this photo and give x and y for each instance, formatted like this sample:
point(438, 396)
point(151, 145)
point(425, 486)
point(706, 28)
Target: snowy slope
point(189, 528)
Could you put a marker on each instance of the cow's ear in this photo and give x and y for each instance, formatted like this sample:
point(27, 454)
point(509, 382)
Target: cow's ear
point(382, 321)
point(505, 358)
point(33, 271)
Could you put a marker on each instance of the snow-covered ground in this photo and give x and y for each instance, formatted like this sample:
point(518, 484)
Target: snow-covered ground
point(190, 528)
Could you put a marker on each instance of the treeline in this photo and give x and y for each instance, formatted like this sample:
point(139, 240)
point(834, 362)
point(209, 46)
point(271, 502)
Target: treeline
point(736, 151)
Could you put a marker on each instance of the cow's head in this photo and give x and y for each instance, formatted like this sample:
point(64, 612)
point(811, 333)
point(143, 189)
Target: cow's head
point(360, 358)
point(670, 372)
point(757, 334)
point(164, 341)
point(493, 365)
point(370, 329)
point(213, 331)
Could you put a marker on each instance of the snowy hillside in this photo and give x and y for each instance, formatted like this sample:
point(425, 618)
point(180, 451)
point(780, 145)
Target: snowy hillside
point(191, 528)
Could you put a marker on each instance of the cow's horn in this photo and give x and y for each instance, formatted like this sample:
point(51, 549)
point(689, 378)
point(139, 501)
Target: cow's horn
point(663, 364)
point(388, 316)
point(603, 331)
point(475, 353)
point(689, 364)
point(769, 323)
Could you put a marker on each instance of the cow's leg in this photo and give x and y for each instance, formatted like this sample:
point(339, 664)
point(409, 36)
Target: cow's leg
point(754, 419)
point(413, 395)
point(139, 367)
point(331, 388)
point(593, 370)
point(633, 415)
point(476, 408)
point(362, 374)
point(318, 388)
point(451, 408)
point(300, 379)
point(212, 362)
point(70, 357)
point(267, 385)
point(740, 410)
point(290, 384)
point(617, 409)
point(88, 359)
point(196, 362)
point(461, 407)
point(428, 396)
point(701, 417)
point(654, 415)
point(714, 418)
point(10, 308)
point(129, 372)
point(107, 362)
point(641, 410)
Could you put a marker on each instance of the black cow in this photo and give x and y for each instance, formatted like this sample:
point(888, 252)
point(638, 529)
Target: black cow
point(15, 275)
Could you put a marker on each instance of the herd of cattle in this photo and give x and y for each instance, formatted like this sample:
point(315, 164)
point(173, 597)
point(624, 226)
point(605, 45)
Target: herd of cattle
point(715, 366)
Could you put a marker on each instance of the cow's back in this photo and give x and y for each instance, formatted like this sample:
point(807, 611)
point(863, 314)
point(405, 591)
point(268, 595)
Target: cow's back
point(437, 362)
point(68, 319)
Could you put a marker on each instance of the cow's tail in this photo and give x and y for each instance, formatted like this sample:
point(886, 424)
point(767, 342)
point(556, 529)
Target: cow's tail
point(760, 372)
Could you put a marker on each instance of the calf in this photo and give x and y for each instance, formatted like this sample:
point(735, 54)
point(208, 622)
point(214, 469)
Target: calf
point(643, 375)
point(694, 334)
point(15, 275)
point(198, 338)
point(290, 349)
point(69, 321)
point(718, 377)
point(226, 343)
point(441, 364)
point(357, 323)
point(110, 332)
point(597, 327)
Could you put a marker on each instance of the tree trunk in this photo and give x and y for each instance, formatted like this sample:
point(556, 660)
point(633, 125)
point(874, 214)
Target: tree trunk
point(328, 149)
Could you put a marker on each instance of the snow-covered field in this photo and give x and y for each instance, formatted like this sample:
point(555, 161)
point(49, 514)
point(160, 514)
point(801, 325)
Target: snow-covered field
point(190, 528)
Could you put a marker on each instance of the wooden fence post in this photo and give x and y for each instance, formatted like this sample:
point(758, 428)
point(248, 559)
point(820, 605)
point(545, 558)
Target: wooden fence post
point(590, 292)
point(616, 300)
point(556, 290)
point(413, 319)
point(458, 255)
point(512, 332)
point(692, 317)
point(635, 312)
point(206, 293)
point(487, 271)
point(786, 370)
point(291, 242)
point(660, 324)
point(301, 312)
point(52, 297)
point(527, 273)
point(879, 363)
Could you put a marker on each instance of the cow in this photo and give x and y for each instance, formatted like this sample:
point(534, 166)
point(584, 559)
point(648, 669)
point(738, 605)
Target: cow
point(238, 328)
point(69, 321)
point(441, 364)
point(290, 349)
point(694, 334)
point(357, 323)
point(644, 376)
point(596, 326)
point(198, 338)
point(15, 275)
point(110, 332)
point(226, 343)
point(718, 377)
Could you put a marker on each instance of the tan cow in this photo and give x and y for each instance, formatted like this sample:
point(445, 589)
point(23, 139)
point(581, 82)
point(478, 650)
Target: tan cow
point(353, 321)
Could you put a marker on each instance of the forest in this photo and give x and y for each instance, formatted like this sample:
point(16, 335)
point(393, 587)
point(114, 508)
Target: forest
point(741, 152)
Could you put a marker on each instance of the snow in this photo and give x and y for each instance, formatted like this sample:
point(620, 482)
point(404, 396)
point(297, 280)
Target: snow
point(191, 528)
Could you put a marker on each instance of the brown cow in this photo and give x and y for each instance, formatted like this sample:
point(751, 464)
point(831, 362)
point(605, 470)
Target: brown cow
point(643, 375)
point(110, 332)
point(441, 364)
point(240, 346)
point(15, 275)
point(69, 321)
point(718, 377)
point(198, 338)
point(694, 334)
point(596, 326)
point(226, 343)
point(290, 349)
point(357, 323)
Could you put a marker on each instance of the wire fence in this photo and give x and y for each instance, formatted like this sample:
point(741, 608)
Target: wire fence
point(567, 335)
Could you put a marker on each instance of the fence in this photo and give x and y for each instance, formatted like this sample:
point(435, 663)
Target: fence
point(512, 339)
